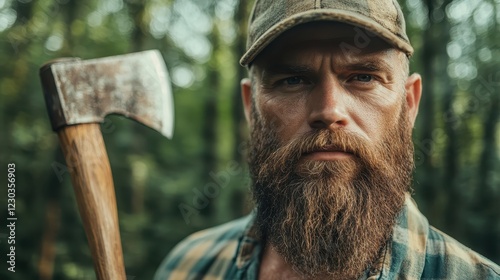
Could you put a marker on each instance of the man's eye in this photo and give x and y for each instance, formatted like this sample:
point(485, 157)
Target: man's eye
point(293, 80)
point(363, 78)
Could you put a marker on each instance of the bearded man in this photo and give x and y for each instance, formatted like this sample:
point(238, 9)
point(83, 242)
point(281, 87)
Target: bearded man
point(331, 107)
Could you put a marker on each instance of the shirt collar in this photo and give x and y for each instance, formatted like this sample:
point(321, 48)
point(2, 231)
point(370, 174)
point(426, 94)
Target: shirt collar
point(248, 243)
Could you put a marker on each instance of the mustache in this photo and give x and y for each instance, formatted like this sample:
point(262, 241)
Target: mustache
point(323, 140)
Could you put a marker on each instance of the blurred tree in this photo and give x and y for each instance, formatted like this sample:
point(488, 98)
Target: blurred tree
point(242, 12)
point(457, 182)
point(487, 192)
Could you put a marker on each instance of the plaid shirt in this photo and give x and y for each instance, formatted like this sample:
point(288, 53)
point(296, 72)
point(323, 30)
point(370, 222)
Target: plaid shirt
point(416, 251)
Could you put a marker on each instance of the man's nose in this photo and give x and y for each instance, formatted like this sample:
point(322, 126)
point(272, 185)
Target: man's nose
point(327, 106)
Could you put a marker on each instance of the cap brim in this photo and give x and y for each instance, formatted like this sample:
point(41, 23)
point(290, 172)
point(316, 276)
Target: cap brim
point(324, 15)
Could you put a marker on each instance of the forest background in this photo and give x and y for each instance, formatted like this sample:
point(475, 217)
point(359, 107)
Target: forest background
point(167, 189)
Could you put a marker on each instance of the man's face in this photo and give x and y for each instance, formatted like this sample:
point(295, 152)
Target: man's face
point(331, 153)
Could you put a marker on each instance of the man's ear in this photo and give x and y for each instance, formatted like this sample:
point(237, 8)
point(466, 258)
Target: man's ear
point(413, 93)
point(246, 96)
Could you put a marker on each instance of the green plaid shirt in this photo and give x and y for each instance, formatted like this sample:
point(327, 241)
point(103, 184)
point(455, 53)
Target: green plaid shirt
point(416, 251)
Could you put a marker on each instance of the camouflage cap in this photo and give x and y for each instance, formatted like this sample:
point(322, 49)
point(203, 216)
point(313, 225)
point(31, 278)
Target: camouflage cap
point(270, 18)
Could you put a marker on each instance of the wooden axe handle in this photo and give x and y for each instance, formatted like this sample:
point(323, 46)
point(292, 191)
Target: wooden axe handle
point(88, 162)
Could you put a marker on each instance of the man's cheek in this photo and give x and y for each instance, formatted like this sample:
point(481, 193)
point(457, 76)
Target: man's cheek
point(377, 125)
point(287, 120)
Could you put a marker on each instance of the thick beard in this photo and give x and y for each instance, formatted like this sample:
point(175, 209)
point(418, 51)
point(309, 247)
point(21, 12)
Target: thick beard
point(329, 218)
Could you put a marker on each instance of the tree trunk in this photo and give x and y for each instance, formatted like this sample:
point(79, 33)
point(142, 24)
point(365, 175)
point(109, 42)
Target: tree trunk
point(428, 187)
point(240, 18)
point(451, 187)
point(488, 192)
point(52, 195)
point(210, 112)
point(48, 251)
point(137, 9)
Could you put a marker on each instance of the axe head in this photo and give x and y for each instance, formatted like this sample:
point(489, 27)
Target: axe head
point(85, 91)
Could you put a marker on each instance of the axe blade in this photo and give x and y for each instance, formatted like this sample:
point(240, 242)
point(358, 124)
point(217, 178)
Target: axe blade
point(135, 85)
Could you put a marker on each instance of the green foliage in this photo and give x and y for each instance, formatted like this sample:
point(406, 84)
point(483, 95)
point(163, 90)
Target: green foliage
point(167, 189)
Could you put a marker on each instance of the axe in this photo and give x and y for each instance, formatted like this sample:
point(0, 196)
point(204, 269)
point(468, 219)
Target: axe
point(78, 95)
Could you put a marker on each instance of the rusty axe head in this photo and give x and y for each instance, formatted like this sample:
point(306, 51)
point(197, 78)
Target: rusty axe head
point(85, 91)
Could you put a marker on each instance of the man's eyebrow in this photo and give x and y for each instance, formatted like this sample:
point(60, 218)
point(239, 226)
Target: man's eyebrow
point(371, 66)
point(286, 69)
